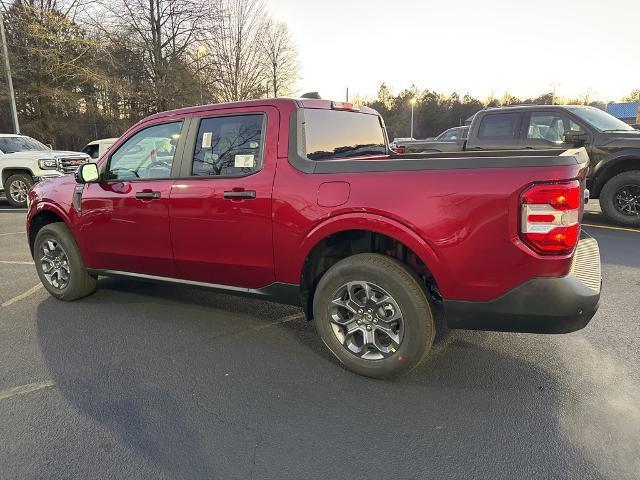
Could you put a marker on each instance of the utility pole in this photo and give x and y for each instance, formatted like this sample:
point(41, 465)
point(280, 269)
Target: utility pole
point(347, 95)
point(12, 96)
point(553, 93)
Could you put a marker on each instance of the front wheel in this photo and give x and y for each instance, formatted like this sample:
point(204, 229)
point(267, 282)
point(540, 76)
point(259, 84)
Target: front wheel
point(374, 316)
point(16, 188)
point(620, 198)
point(59, 264)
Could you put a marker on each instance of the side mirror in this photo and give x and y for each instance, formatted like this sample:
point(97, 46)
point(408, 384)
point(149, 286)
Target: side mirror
point(577, 138)
point(87, 173)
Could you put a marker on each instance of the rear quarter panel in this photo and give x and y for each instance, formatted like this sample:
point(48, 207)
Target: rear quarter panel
point(462, 223)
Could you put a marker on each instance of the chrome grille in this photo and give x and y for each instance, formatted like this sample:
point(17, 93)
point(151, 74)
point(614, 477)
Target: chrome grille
point(586, 263)
point(70, 164)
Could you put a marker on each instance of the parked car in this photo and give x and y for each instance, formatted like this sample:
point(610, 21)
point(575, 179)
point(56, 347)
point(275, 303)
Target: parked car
point(24, 161)
point(300, 202)
point(612, 145)
point(97, 148)
point(400, 139)
point(447, 141)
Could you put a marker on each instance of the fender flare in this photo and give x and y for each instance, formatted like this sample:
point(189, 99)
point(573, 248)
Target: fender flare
point(610, 161)
point(21, 169)
point(57, 210)
point(378, 224)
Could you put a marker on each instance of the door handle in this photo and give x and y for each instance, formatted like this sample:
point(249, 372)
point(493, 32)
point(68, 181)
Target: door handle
point(240, 194)
point(148, 195)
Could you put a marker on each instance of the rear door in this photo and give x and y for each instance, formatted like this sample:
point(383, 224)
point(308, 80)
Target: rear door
point(497, 131)
point(125, 217)
point(220, 214)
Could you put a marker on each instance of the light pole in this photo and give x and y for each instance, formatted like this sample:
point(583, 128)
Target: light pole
point(200, 52)
point(12, 95)
point(412, 102)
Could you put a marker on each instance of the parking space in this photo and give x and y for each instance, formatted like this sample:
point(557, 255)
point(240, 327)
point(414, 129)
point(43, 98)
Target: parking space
point(153, 381)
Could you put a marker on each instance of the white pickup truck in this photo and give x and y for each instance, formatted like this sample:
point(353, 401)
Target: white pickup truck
point(24, 161)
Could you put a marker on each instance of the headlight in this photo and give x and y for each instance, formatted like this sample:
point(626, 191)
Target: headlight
point(48, 164)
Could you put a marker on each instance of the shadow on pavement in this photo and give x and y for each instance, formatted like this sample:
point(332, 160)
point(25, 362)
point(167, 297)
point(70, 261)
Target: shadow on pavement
point(194, 382)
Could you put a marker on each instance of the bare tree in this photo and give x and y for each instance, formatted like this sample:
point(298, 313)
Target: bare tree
point(281, 59)
point(235, 56)
point(161, 30)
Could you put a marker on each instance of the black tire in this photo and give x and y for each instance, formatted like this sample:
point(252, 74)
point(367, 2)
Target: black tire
point(405, 289)
point(608, 201)
point(13, 189)
point(79, 283)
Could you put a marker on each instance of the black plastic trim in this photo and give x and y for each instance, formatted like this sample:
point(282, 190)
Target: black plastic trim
point(429, 161)
point(279, 292)
point(540, 305)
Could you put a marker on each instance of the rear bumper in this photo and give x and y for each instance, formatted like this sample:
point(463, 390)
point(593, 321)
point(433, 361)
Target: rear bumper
point(540, 305)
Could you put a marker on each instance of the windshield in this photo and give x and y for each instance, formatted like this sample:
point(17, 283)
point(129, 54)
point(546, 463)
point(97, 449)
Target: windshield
point(600, 119)
point(20, 144)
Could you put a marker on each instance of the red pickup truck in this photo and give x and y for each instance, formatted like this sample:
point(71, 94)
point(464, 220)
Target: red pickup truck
point(302, 202)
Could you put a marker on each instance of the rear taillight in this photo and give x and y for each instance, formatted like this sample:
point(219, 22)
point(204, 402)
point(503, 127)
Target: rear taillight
point(400, 150)
point(550, 222)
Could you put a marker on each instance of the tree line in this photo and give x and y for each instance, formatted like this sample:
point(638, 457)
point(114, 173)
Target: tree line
point(435, 112)
point(89, 69)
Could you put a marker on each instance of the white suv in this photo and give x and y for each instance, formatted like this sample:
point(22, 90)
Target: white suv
point(24, 161)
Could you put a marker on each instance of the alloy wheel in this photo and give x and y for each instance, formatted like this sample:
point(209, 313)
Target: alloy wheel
point(366, 320)
point(627, 200)
point(18, 191)
point(55, 264)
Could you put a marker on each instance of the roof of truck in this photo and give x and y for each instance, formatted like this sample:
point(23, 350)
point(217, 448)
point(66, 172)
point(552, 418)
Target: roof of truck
point(531, 106)
point(274, 102)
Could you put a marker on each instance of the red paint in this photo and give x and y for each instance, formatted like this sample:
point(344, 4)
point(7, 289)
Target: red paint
point(333, 194)
point(463, 224)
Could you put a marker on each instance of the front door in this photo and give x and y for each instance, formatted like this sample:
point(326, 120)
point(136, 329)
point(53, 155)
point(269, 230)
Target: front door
point(220, 207)
point(125, 217)
point(545, 130)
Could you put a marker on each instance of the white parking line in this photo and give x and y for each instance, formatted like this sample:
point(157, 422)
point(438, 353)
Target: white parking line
point(607, 227)
point(16, 262)
point(22, 296)
point(22, 389)
point(12, 233)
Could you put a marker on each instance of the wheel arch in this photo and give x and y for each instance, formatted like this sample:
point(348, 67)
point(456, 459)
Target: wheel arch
point(9, 171)
point(350, 234)
point(45, 215)
point(613, 165)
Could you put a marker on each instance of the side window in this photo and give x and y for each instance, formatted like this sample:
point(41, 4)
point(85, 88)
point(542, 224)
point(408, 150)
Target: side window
point(91, 150)
point(501, 126)
point(229, 146)
point(550, 126)
point(451, 134)
point(147, 154)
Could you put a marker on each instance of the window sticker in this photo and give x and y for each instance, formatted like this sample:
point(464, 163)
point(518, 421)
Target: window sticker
point(244, 161)
point(206, 139)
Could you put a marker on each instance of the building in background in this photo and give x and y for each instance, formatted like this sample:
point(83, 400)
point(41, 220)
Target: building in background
point(628, 112)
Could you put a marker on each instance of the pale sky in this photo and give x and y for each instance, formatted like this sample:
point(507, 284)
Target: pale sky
point(475, 46)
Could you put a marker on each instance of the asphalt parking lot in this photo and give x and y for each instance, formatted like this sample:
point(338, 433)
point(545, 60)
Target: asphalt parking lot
point(148, 381)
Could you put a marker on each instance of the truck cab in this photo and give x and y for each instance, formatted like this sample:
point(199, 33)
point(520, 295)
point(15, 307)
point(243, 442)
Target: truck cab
point(613, 147)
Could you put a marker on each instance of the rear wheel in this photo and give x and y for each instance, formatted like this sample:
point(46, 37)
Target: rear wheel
point(59, 264)
point(620, 198)
point(372, 313)
point(16, 188)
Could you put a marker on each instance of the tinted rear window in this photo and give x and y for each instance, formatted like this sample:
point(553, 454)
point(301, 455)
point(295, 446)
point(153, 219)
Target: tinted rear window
point(332, 134)
point(499, 126)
